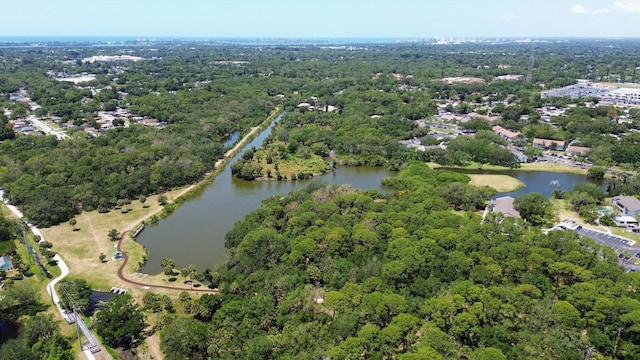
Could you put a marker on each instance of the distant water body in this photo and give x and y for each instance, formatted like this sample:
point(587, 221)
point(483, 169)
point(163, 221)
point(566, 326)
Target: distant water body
point(139, 40)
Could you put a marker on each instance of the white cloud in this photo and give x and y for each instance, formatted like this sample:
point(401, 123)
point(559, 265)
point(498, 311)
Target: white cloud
point(630, 6)
point(600, 11)
point(578, 9)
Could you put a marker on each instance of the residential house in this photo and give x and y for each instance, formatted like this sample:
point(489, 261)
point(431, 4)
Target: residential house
point(629, 205)
point(548, 144)
point(506, 133)
point(577, 150)
point(505, 206)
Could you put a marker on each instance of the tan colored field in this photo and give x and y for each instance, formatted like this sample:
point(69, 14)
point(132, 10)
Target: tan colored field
point(80, 249)
point(563, 211)
point(501, 183)
point(552, 167)
point(538, 166)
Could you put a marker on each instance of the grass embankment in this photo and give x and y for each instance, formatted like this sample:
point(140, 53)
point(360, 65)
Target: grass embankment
point(501, 183)
point(537, 166)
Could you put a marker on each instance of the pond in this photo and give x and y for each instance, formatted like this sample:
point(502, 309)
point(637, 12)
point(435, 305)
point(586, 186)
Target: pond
point(228, 143)
point(536, 181)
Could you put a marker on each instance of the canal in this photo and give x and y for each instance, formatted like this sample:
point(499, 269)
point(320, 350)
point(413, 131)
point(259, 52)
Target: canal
point(194, 233)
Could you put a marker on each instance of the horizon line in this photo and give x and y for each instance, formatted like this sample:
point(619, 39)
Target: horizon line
point(151, 37)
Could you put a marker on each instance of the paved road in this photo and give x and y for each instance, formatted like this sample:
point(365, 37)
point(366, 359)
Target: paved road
point(64, 269)
point(46, 128)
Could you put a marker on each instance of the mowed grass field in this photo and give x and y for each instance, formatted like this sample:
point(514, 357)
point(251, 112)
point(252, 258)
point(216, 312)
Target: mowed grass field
point(501, 183)
point(537, 166)
point(81, 248)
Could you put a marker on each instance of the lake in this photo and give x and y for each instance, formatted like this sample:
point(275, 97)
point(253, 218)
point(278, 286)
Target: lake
point(194, 233)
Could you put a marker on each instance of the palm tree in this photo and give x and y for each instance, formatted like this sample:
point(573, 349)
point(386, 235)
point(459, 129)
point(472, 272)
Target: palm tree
point(168, 265)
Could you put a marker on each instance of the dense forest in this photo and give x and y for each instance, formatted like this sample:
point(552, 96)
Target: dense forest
point(333, 271)
point(203, 93)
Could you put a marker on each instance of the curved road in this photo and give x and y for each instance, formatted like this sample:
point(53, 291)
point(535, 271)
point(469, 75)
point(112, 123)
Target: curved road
point(226, 157)
point(123, 278)
point(64, 269)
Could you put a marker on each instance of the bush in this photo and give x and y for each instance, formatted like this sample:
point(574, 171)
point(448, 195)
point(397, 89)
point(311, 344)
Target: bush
point(607, 221)
point(596, 173)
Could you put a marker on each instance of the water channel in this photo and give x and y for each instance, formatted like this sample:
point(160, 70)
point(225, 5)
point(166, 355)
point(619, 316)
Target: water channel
point(194, 233)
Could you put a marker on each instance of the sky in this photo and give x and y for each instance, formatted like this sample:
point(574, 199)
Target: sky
point(321, 18)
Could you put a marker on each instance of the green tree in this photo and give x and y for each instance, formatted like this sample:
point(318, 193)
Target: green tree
point(113, 235)
point(162, 200)
point(102, 257)
point(188, 272)
point(167, 265)
point(120, 322)
point(185, 338)
point(596, 172)
point(40, 327)
point(73, 223)
point(487, 353)
point(533, 207)
point(75, 293)
point(143, 199)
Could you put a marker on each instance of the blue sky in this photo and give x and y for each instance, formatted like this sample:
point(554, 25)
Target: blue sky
point(321, 18)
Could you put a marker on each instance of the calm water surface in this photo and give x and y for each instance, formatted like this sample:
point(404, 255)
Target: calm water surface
point(535, 181)
point(194, 233)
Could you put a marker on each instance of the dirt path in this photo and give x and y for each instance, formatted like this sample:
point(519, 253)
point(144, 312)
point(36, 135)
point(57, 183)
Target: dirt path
point(93, 233)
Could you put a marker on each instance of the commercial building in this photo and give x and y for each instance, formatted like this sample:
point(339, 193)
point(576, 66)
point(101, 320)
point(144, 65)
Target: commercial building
point(629, 205)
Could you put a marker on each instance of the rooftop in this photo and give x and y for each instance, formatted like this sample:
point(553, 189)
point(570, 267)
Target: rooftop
point(629, 202)
point(505, 205)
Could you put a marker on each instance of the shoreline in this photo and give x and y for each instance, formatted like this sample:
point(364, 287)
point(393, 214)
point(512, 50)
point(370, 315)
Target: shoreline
point(546, 167)
point(188, 192)
point(79, 253)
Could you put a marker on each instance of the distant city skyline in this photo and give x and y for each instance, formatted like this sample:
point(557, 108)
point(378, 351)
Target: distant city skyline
point(321, 18)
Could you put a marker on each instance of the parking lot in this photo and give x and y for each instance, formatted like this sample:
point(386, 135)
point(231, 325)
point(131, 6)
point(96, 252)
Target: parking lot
point(617, 243)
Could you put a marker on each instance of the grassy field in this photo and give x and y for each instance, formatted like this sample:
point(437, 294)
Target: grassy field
point(538, 166)
point(287, 168)
point(80, 248)
point(502, 183)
